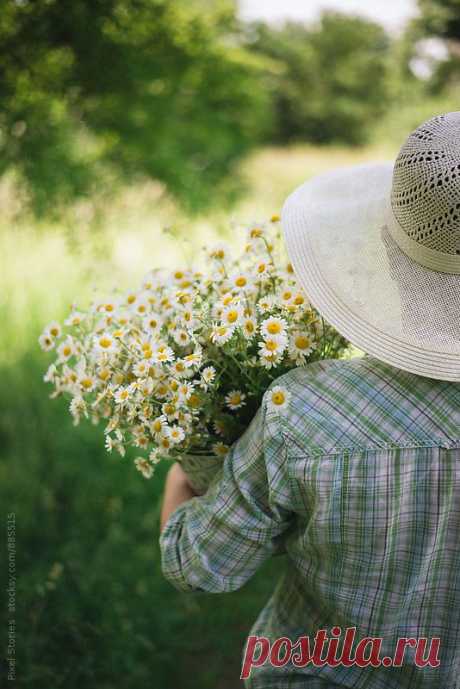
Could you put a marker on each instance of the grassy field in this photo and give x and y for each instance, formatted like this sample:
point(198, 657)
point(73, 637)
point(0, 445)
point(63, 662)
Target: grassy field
point(92, 607)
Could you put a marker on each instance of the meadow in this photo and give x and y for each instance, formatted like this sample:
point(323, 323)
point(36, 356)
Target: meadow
point(92, 607)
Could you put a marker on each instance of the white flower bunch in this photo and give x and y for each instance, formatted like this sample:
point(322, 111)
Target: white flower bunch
point(180, 365)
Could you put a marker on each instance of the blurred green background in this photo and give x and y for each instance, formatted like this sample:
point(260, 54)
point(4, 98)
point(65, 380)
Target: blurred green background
point(131, 133)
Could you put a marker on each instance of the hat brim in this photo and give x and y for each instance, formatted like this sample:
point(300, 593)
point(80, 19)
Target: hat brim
point(336, 232)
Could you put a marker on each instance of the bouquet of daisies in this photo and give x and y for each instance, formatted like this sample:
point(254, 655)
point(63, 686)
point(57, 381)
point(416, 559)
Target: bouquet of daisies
point(178, 367)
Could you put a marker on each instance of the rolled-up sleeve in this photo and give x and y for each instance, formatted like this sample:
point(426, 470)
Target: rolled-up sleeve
point(217, 541)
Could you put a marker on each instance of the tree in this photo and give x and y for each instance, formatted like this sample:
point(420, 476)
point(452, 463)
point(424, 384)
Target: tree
point(441, 19)
point(328, 81)
point(116, 90)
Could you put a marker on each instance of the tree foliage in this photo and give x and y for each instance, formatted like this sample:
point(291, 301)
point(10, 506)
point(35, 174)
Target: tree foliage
point(94, 90)
point(328, 81)
point(441, 19)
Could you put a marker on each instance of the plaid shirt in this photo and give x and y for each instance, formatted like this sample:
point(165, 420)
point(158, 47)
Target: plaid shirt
point(358, 482)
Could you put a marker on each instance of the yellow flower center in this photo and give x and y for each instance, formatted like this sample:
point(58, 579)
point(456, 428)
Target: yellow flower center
point(278, 398)
point(54, 332)
point(232, 316)
point(194, 401)
point(240, 281)
point(86, 383)
point(250, 327)
point(274, 328)
point(109, 307)
point(180, 367)
point(131, 299)
point(271, 345)
point(105, 342)
point(302, 342)
point(299, 300)
point(255, 232)
point(66, 351)
point(179, 275)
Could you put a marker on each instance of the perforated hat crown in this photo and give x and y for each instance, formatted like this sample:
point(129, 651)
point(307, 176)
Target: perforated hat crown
point(425, 196)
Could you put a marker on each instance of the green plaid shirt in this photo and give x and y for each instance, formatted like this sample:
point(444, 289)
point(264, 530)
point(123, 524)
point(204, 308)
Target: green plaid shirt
point(358, 482)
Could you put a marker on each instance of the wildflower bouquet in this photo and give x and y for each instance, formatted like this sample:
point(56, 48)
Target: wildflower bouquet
point(178, 367)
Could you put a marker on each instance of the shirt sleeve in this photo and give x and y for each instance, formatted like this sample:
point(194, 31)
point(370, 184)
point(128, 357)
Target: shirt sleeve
point(217, 541)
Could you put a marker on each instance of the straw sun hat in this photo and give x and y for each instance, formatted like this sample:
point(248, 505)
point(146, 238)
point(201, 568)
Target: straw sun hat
point(377, 249)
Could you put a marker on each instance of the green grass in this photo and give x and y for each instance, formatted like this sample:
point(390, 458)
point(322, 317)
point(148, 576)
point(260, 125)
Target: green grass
point(93, 609)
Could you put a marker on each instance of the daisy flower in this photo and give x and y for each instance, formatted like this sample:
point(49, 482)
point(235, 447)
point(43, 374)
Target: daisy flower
point(232, 315)
point(278, 397)
point(154, 456)
point(177, 434)
point(239, 282)
point(221, 334)
point(181, 337)
point(122, 395)
point(249, 327)
point(46, 342)
point(87, 382)
point(227, 299)
point(78, 408)
point(162, 354)
point(153, 322)
point(219, 252)
point(188, 319)
point(235, 399)
point(273, 326)
point(105, 343)
point(159, 426)
point(255, 232)
point(146, 386)
point(141, 368)
point(75, 319)
point(51, 374)
point(269, 361)
point(65, 350)
point(273, 345)
point(194, 359)
point(265, 304)
point(301, 344)
point(144, 466)
point(220, 449)
point(178, 368)
point(54, 329)
point(208, 375)
point(184, 391)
